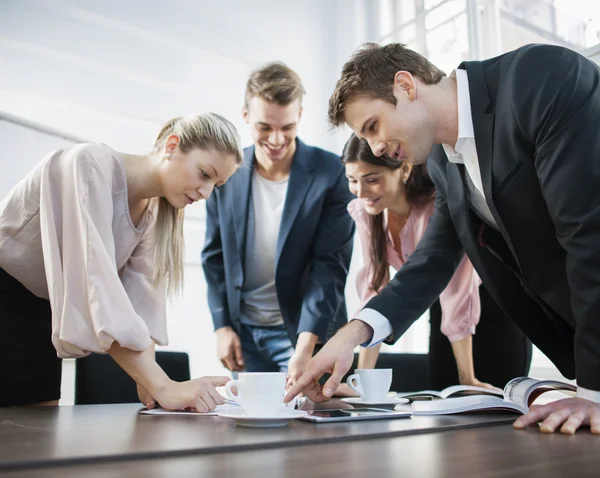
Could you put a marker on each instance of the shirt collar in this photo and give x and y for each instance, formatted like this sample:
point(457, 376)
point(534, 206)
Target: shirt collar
point(465, 120)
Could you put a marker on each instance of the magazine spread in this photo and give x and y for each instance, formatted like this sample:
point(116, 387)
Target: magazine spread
point(518, 396)
point(453, 391)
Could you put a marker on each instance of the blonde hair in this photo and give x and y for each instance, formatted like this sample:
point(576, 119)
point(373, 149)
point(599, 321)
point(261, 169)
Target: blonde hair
point(203, 131)
point(275, 82)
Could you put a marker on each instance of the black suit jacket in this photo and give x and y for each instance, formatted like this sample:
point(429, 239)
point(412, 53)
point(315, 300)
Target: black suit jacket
point(314, 245)
point(536, 117)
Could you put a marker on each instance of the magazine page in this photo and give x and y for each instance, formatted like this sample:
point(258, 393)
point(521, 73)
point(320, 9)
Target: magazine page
point(452, 391)
point(465, 404)
point(420, 394)
point(456, 390)
point(524, 390)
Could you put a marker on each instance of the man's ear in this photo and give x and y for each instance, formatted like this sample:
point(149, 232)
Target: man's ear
point(405, 84)
point(246, 114)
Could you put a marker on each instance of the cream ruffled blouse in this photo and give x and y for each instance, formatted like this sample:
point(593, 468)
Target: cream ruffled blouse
point(66, 234)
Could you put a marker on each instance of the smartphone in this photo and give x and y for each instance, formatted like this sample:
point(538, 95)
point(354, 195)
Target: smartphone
point(352, 414)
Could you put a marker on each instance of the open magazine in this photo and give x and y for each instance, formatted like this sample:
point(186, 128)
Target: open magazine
point(518, 396)
point(453, 391)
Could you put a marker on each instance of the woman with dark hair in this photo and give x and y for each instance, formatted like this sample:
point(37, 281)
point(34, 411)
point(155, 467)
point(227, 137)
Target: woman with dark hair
point(394, 203)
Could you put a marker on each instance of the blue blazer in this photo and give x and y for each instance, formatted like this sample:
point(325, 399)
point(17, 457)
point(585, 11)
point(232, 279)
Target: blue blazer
point(314, 246)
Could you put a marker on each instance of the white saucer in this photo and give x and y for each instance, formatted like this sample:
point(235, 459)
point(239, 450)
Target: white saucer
point(285, 415)
point(384, 401)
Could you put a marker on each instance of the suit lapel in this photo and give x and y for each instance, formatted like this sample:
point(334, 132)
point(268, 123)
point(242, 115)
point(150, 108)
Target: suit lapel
point(458, 203)
point(483, 127)
point(240, 199)
point(300, 180)
point(456, 199)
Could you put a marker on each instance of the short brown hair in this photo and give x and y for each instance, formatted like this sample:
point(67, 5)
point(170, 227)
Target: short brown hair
point(370, 72)
point(275, 82)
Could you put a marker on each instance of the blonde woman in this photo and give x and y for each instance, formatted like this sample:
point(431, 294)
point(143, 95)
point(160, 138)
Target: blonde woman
point(91, 242)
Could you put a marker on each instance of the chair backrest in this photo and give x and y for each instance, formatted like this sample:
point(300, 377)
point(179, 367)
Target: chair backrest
point(99, 380)
point(410, 371)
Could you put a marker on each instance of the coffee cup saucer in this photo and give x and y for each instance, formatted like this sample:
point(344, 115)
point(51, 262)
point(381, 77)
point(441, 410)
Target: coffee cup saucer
point(245, 420)
point(384, 401)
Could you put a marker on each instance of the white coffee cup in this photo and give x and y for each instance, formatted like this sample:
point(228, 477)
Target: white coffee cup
point(258, 393)
point(371, 384)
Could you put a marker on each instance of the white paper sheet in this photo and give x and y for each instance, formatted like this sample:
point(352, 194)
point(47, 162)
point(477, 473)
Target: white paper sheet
point(220, 409)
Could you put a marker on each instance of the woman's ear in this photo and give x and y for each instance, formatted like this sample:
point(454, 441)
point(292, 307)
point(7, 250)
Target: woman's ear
point(406, 170)
point(171, 144)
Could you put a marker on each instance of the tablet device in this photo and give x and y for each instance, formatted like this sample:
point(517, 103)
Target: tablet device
point(352, 414)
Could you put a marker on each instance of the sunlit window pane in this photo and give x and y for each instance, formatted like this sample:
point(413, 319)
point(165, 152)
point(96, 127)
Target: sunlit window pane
point(443, 13)
point(448, 44)
point(387, 21)
point(405, 10)
point(407, 34)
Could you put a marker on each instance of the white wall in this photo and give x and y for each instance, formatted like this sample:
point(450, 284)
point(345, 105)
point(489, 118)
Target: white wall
point(113, 71)
point(593, 53)
point(23, 145)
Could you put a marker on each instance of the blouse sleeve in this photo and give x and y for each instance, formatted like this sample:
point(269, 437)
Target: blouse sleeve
point(364, 275)
point(90, 305)
point(460, 303)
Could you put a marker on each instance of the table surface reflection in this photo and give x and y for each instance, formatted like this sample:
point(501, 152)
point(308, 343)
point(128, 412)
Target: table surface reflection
point(484, 452)
point(33, 437)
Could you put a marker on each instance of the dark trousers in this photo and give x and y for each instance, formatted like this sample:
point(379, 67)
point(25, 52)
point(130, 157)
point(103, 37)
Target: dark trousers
point(501, 351)
point(30, 371)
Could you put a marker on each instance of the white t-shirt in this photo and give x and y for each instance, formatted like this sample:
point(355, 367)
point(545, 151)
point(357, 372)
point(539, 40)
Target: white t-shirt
point(259, 296)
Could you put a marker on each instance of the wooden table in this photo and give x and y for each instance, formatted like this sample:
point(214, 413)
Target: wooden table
point(38, 437)
point(484, 452)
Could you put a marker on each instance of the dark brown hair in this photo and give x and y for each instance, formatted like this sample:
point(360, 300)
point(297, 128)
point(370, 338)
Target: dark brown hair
point(370, 72)
point(275, 82)
point(419, 190)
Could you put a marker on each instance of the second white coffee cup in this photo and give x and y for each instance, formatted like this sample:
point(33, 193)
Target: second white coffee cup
point(259, 393)
point(371, 384)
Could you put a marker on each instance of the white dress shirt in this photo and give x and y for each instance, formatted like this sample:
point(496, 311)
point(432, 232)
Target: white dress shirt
point(464, 152)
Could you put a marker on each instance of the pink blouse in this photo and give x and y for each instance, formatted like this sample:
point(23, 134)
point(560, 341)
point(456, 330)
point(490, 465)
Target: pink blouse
point(459, 301)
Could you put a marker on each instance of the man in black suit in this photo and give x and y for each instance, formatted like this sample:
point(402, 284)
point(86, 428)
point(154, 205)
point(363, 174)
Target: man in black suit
point(514, 151)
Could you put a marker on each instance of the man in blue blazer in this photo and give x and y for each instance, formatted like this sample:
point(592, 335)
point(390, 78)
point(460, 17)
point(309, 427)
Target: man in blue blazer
point(513, 146)
point(278, 238)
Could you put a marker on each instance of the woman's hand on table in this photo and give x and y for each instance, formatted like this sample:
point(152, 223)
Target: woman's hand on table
point(199, 394)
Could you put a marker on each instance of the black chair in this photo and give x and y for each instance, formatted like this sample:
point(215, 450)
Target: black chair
point(410, 371)
point(99, 380)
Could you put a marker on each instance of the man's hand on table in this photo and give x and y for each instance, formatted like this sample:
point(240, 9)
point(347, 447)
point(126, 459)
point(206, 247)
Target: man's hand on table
point(569, 414)
point(336, 358)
